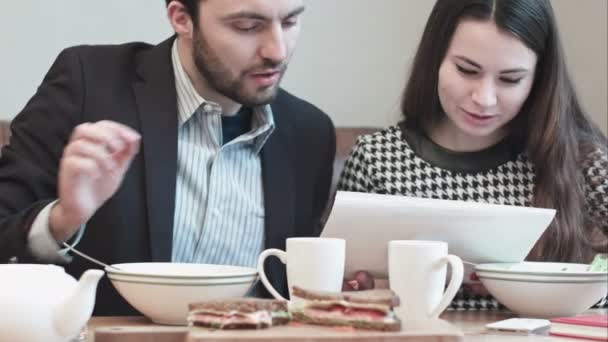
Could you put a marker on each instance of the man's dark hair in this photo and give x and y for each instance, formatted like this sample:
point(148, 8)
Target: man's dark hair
point(191, 7)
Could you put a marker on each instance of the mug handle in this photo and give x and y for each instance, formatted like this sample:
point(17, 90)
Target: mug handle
point(454, 285)
point(265, 254)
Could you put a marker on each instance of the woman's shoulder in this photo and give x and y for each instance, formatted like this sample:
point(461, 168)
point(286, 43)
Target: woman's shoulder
point(595, 157)
point(594, 165)
point(388, 138)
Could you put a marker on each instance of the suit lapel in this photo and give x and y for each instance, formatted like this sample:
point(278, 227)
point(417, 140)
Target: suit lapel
point(277, 175)
point(156, 100)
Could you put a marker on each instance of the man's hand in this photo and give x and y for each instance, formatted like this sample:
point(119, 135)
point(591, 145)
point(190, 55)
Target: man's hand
point(362, 280)
point(90, 171)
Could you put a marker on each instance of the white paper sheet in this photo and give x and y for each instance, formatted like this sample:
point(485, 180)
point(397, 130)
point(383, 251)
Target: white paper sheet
point(476, 232)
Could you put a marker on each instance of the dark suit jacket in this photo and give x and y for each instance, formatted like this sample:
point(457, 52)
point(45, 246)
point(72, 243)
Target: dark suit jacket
point(134, 84)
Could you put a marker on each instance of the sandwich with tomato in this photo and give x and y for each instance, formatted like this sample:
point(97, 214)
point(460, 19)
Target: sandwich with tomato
point(370, 309)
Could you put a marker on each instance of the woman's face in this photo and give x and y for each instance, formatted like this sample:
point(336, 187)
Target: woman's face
point(484, 80)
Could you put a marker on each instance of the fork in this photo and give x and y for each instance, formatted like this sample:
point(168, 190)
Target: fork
point(90, 258)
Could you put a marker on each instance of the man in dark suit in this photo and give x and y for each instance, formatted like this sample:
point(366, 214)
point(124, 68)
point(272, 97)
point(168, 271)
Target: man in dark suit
point(120, 142)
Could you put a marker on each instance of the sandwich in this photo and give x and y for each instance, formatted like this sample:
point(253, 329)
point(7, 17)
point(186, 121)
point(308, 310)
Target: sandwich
point(370, 309)
point(239, 313)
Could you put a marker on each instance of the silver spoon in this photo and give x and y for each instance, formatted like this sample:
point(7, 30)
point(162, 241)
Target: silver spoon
point(91, 259)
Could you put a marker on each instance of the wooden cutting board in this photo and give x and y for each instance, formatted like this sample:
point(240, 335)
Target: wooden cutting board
point(436, 331)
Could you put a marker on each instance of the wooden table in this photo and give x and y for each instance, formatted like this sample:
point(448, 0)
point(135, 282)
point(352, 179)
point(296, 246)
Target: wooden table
point(471, 324)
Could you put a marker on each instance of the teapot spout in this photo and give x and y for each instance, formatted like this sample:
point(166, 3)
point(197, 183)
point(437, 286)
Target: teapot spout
point(72, 315)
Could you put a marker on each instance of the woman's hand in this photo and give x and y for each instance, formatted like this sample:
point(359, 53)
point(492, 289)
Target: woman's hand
point(362, 280)
point(475, 288)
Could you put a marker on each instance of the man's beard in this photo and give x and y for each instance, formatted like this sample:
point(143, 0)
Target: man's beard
point(219, 77)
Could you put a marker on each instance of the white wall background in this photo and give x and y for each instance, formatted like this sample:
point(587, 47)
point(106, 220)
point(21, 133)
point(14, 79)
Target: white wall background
point(351, 60)
point(584, 30)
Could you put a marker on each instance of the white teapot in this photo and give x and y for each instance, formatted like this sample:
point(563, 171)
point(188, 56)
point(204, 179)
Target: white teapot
point(43, 303)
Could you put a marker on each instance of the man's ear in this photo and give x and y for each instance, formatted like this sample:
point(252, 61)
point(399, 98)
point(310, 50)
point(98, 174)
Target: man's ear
point(180, 20)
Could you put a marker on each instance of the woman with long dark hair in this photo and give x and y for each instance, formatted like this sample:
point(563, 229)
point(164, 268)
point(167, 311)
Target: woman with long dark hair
point(490, 114)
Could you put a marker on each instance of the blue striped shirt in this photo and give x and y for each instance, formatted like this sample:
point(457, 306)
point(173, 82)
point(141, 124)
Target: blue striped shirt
point(219, 204)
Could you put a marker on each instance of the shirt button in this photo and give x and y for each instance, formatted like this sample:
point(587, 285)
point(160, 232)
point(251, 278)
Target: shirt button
point(216, 212)
point(207, 108)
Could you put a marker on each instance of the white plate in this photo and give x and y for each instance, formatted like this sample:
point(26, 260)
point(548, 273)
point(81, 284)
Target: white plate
point(181, 270)
point(476, 232)
point(539, 299)
point(180, 281)
point(540, 278)
point(547, 269)
point(167, 303)
point(162, 291)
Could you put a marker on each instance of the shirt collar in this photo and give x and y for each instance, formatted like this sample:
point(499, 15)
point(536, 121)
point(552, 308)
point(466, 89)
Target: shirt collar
point(189, 102)
point(262, 126)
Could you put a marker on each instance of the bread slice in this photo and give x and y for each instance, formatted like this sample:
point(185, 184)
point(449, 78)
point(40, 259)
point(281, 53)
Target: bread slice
point(370, 309)
point(376, 296)
point(230, 326)
point(239, 313)
point(392, 325)
point(244, 305)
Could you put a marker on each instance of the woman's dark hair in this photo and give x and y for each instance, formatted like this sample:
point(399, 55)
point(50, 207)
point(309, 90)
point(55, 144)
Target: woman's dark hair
point(557, 135)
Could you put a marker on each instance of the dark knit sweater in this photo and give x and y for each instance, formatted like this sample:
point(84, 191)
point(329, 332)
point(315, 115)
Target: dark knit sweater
point(401, 161)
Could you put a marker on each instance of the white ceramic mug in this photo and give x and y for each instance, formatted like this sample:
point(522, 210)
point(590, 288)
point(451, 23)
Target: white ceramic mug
point(312, 263)
point(417, 274)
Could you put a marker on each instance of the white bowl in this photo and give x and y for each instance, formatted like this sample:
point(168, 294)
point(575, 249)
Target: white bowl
point(162, 291)
point(544, 289)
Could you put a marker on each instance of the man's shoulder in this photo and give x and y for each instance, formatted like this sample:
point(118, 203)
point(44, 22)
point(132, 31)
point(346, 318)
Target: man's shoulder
point(289, 104)
point(110, 66)
point(112, 60)
point(301, 119)
point(298, 112)
point(107, 52)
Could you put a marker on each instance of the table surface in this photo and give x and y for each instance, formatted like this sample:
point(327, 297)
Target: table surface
point(471, 323)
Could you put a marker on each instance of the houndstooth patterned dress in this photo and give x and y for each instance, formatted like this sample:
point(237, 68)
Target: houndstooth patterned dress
point(400, 161)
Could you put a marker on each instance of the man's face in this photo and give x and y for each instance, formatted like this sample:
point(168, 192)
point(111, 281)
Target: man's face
point(242, 47)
